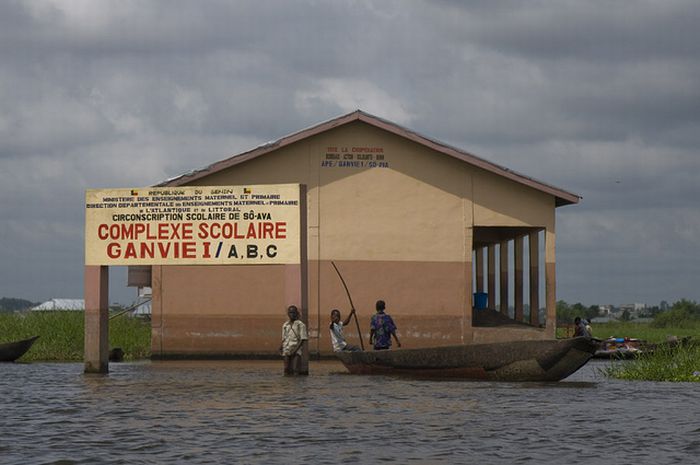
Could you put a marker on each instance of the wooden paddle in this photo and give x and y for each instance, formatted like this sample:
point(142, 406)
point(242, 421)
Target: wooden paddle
point(352, 306)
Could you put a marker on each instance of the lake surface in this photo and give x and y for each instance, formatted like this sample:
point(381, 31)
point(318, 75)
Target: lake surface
point(246, 412)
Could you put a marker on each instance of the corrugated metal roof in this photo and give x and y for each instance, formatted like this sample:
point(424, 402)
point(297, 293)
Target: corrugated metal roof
point(61, 304)
point(562, 197)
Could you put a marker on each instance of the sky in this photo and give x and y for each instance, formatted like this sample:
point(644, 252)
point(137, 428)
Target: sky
point(600, 98)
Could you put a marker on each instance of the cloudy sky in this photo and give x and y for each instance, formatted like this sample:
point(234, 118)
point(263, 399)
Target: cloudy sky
point(601, 98)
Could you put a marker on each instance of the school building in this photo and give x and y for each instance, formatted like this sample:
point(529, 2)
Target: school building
point(461, 249)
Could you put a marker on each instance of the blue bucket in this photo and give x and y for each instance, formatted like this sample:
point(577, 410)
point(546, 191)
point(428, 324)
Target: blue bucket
point(481, 300)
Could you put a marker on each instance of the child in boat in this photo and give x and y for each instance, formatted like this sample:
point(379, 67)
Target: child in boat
point(382, 328)
point(337, 337)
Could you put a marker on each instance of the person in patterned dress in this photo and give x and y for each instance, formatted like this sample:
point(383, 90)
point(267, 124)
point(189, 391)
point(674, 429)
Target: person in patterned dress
point(382, 328)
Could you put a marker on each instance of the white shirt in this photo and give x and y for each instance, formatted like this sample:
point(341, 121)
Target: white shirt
point(337, 337)
point(292, 334)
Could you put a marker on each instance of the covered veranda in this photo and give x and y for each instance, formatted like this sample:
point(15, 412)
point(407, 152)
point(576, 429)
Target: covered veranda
point(513, 277)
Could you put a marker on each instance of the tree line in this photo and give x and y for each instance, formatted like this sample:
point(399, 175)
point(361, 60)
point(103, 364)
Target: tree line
point(681, 312)
point(10, 304)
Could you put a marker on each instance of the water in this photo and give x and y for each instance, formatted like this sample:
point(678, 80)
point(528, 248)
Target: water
point(246, 412)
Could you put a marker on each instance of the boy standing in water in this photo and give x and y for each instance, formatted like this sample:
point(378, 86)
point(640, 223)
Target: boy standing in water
point(293, 338)
point(337, 337)
point(382, 327)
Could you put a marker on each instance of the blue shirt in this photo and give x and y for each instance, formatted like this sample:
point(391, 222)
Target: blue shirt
point(383, 326)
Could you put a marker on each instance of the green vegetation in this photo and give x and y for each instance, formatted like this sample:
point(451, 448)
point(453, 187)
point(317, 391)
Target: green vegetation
point(566, 313)
point(682, 313)
point(667, 364)
point(682, 319)
point(645, 331)
point(62, 335)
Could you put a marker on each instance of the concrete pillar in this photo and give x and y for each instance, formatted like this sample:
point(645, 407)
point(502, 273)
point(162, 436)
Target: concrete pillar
point(518, 278)
point(157, 323)
point(467, 327)
point(96, 293)
point(296, 279)
point(504, 276)
point(479, 269)
point(550, 279)
point(534, 278)
point(491, 276)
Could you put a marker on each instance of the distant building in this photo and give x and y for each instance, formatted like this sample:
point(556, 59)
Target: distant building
point(61, 305)
point(605, 310)
point(634, 310)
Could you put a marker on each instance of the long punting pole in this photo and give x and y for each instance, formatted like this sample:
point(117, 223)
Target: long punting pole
point(352, 306)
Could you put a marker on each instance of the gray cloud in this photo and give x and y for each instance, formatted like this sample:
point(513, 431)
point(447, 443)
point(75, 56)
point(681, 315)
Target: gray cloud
point(595, 31)
point(596, 97)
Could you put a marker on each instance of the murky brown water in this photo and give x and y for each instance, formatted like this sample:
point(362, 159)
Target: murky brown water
point(246, 412)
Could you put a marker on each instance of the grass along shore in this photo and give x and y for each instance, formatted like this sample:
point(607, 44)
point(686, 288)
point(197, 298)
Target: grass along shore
point(668, 364)
point(62, 335)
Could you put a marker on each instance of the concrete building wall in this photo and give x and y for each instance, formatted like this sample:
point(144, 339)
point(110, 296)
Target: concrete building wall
point(401, 233)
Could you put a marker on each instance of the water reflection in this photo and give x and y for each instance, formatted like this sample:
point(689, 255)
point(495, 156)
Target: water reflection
point(246, 412)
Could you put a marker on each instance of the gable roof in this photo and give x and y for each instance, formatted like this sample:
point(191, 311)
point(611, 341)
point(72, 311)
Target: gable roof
point(562, 197)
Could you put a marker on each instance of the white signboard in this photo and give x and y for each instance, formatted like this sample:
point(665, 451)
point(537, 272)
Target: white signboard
point(193, 225)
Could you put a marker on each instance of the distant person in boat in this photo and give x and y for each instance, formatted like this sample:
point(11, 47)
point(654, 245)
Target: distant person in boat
point(580, 328)
point(382, 328)
point(294, 336)
point(337, 337)
point(587, 324)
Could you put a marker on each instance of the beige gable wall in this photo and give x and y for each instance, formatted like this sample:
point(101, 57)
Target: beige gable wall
point(500, 202)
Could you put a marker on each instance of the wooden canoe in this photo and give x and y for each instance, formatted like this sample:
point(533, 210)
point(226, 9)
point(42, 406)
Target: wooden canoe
point(11, 351)
point(547, 360)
